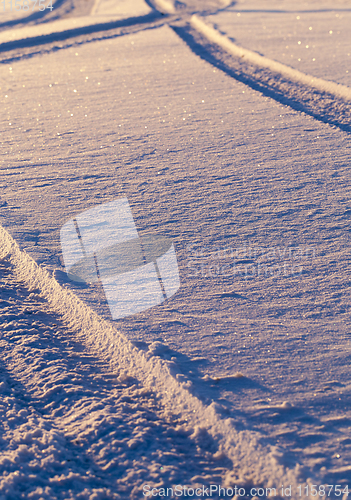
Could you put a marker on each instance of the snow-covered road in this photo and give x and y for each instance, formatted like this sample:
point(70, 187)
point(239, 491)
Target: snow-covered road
point(218, 155)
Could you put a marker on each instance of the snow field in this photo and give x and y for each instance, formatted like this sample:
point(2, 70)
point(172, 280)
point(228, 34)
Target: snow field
point(311, 37)
point(211, 163)
point(59, 173)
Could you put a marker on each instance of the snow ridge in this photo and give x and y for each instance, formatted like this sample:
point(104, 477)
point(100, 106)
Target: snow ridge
point(295, 75)
point(165, 6)
point(254, 463)
point(66, 28)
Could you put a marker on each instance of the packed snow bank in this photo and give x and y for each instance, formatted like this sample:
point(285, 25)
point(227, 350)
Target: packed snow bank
point(292, 74)
point(253, 462)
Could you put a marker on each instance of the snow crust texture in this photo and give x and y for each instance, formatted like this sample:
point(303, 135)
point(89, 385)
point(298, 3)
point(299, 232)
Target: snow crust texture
point(243, 377)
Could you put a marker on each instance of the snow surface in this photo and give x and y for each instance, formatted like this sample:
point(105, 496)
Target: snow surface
point(243, 376)
point(122, 8)
point(313, 37)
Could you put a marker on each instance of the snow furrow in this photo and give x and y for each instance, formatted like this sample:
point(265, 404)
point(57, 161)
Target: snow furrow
point(64, 9)
point(325, 101)
point(64, 29)
point(70, 427)
point(292, 74)
point(252, 461)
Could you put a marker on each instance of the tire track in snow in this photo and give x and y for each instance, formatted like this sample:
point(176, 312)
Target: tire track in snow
point(325, 101)
point(61, 31)
point(73, 429)
point(189, 6)
point(244, 449)
point(89, 35)
point(253, 462)
point(61, 9)
point(256, 59)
